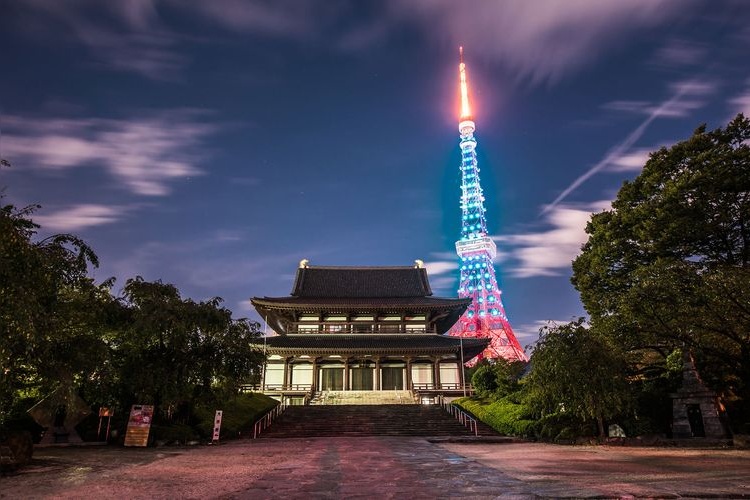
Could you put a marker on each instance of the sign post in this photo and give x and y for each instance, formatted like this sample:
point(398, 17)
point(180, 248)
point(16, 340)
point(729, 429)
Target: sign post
point(105, 412)
point(217, 426)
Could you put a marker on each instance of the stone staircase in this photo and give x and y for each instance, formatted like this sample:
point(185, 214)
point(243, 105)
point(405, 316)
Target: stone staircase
point(363, 398)
point(368, 420)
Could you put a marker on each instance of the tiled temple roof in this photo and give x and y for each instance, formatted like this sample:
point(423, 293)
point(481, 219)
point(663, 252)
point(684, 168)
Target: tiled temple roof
point(327, 344)
point(361, 282)
point(360, 302)
point(404, 289)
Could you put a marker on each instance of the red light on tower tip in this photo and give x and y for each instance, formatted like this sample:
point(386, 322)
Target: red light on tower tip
point(465, 109)
point(466, 123)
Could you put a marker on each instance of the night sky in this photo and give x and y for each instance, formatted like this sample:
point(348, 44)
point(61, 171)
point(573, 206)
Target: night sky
point(215, 144)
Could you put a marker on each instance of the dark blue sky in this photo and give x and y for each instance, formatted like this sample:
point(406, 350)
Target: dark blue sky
point(214, 145)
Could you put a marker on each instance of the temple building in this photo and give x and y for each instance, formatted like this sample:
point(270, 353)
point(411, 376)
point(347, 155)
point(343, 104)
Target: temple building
point(363, 329)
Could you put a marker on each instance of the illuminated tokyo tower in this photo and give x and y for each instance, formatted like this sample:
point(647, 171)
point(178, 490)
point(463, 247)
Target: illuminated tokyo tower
point(485, 317)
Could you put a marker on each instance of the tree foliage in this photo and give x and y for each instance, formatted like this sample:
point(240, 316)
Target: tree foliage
point(58, 327)
point(172, 348)
point(498, 378)
point(578, 372)
point(51, 313)
point(669, 265)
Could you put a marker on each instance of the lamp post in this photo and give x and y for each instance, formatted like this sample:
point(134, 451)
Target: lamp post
point(265, 357)
point(463, 366)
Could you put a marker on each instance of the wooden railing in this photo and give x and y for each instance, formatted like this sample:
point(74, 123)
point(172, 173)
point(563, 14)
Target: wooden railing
point(276, 387)
point(429, 386)
point(358, 328)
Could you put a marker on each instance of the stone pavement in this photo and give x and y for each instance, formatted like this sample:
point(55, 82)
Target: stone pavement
point(381, 467)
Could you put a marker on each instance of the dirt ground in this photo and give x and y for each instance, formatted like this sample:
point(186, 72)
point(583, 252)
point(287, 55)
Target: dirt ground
point(382, 467)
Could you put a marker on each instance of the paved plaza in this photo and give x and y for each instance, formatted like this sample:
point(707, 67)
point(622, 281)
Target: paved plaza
point(380, 467)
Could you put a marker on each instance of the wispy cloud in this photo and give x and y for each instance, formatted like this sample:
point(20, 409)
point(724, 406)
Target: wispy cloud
point(125, 36)
point(79, 217)
point(290, 18)
point(143, 153)
point(679, 52)
point(134, 36)
point(741, 103)
point(672, 107)
point(542, 40)
point(549, 251)
point(528, 333)
point(546, 251)
point(632, 161)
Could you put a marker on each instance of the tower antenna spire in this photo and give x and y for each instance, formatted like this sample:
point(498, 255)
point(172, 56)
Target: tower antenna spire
point(465, 108)
point(485, 317)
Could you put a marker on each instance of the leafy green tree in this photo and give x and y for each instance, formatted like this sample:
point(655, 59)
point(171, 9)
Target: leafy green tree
point(497, 378)
point(669, 265)
point(51, 323)
point(171, 350)
point(578, 372)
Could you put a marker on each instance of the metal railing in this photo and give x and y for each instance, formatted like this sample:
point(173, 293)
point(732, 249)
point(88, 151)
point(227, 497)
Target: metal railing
point(266, 420)
point(464, 418)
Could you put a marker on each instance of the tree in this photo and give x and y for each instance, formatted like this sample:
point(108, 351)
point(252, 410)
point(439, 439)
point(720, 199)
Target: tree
point(170, 350)
point(51, 319)
point(576, 371)
point(669, 265)
point(497, 378)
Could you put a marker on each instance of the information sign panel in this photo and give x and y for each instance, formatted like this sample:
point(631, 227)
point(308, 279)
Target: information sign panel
point(139, 425)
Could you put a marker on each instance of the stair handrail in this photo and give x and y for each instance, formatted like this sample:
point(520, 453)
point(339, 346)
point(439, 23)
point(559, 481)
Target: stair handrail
point(464, 418)
point(266, 420)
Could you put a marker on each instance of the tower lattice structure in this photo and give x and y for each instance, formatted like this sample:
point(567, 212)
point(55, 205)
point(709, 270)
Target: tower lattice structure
point(485, 317)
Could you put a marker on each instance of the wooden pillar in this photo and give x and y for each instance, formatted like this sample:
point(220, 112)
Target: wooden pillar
point(436, 371)
point(314, 386)
point(285, 380)
point(408, 374)
point(346, 374)
point(461, 373)
point(377, 373)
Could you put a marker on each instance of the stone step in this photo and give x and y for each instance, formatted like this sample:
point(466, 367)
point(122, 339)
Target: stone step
point(367, 420)
point(362, 398)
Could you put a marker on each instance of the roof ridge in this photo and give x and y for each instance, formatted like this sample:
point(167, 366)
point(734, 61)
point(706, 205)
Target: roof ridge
point(362, 267)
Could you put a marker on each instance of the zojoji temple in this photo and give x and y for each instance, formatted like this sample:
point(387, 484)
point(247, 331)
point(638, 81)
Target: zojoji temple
point(363, 329)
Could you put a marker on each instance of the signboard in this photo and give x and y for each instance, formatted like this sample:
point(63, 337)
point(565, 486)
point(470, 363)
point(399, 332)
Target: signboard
point(217, 425)
point(139, 425)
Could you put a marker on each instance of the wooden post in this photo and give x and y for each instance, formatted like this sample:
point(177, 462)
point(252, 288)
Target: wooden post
point(314, 384)
point(377, 373)
point(408, 374)
point(346, 374)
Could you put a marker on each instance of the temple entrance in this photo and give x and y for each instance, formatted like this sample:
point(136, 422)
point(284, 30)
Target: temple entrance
point(695, 418)
point(392, 377)
point(332, 378)
point(361, 378)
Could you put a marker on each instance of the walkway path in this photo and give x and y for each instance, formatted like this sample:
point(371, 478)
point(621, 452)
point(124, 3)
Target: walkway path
point(379, 467)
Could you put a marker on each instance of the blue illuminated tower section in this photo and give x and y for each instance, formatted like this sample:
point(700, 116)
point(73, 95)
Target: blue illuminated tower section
point(485, 317)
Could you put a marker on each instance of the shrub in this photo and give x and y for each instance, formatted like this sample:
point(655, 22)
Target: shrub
point(181, 433)
point(239, 414)
point(506, 416)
